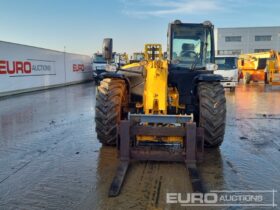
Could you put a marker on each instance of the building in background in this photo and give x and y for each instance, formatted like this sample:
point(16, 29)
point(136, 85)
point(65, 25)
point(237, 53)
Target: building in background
point(235, 41)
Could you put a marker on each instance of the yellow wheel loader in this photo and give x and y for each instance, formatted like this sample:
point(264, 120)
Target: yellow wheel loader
point(253, 65)
point(163, 109)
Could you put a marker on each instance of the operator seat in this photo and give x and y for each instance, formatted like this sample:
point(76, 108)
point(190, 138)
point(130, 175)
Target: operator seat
point(187, 49)
point(188, 54)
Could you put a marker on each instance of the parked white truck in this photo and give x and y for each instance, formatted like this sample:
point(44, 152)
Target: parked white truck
point(227, 67)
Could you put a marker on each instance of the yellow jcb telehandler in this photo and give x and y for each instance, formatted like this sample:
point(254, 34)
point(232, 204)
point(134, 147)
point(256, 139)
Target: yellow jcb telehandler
point(163, 109)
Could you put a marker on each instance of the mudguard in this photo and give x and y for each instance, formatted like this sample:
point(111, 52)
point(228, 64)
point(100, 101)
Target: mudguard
point(208, 78)
point(112, 75)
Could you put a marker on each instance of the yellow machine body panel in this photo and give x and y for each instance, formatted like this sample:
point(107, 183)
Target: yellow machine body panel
point(157, 96)
point(155, 89)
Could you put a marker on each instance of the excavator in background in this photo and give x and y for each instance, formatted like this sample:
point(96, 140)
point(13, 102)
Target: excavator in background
point(163, 109)
point(137, 57)
point(252, 66)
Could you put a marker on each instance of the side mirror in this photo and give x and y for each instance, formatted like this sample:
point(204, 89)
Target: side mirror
point(211, 67)
point(107, 49)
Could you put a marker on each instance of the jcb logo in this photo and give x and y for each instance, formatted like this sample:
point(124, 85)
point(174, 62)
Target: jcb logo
point(78, 67)
point(15, 67)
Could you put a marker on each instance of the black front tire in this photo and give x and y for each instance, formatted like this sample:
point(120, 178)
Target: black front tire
point(111, 101)
point(212, 112)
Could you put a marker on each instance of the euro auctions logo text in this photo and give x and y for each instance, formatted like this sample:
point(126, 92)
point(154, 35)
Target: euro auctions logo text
point(78, 67)
point(225, 198)
point(192, 198)
point(27, 67)
point(15, 67)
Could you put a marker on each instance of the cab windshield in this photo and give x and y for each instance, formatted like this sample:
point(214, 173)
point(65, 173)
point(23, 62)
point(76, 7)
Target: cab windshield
point(226, 63)
point(98, 59)
point(191, 46)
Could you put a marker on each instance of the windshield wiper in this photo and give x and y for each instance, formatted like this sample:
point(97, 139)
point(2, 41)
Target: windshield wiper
point(195, 62)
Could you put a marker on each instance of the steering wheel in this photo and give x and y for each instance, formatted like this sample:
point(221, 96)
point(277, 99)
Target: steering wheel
point(188, 54)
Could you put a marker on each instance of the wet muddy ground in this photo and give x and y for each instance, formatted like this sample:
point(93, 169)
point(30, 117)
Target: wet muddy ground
point(50, 157)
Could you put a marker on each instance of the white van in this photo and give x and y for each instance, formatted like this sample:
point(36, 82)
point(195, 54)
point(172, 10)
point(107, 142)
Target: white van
point(227, 67)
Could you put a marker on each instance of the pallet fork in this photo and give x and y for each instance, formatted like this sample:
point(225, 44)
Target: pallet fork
point(189, 154)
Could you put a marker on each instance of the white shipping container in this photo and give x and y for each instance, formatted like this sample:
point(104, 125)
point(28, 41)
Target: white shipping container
point(24, 68)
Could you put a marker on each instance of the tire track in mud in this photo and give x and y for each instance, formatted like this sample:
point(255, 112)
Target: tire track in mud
point(145, 186)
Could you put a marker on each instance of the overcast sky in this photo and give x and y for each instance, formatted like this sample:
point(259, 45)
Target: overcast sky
point(81, 25)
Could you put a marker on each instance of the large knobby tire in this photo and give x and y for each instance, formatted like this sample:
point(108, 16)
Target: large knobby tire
point(212, 112)
point(111, 102)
